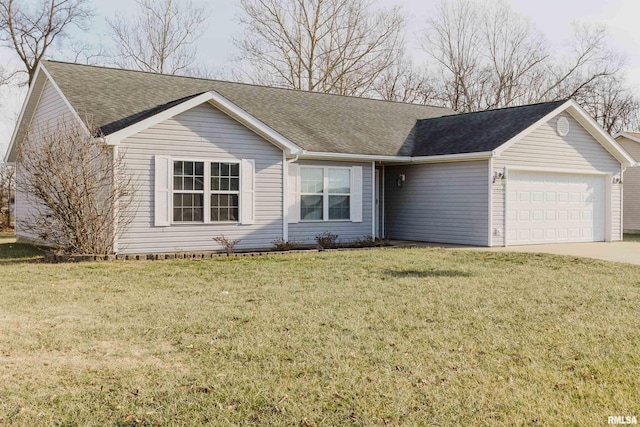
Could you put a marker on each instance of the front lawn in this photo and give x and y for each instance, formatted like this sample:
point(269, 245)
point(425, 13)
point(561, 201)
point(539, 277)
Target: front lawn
point(372, 337)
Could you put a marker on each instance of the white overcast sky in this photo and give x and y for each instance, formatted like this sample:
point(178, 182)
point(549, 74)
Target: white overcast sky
point(216, 49)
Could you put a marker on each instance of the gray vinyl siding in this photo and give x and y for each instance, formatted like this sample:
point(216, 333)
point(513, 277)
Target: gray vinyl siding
point(444, 203)
point(545, 148)
point(304, 232)
point(631, 182)
point(208, 134)
point(50, 109)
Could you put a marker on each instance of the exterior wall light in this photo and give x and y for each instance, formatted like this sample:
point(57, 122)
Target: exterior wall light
point(497, 176)
point(401, 178)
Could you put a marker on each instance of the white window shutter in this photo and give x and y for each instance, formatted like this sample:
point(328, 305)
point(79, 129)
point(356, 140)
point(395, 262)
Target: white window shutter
point(162, 191)
point(293, 196)
point(247, 204)
point(356, 194)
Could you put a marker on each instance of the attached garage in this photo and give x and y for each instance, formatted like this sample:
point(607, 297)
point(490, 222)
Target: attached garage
point(560, 183)
point(547, 207)
point(536, 174)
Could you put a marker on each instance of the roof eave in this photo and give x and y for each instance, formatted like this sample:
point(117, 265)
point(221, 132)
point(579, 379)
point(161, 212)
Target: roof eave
point(41, 70)
point(220, 103)
point(626, 135)
point(442, 158)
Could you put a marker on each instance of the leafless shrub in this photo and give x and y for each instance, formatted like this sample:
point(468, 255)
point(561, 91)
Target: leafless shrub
point(367, 241)
point(282, 245)
point(327, 240)
point(80, 201)
point(228, 244)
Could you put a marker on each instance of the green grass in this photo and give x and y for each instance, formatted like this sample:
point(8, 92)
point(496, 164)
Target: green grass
point(373, 337)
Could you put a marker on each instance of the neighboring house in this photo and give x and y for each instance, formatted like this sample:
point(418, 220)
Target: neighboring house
point(258, 164)
point(630, 141)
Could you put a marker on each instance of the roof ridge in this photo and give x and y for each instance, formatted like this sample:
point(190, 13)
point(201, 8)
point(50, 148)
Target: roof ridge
point(202, 79)
point(513, 107)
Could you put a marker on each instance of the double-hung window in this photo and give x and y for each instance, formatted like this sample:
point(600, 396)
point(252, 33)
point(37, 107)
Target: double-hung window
point(188, 191)
point(219, 181)
point(325, 193)
point(225, 191)
point(191, 191)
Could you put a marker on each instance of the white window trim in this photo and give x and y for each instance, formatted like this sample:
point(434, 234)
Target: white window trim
point(206, 215)
point(325, 193)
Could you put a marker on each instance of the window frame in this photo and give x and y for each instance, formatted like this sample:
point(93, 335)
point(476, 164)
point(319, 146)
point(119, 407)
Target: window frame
point(325, 192)
point(207, 191)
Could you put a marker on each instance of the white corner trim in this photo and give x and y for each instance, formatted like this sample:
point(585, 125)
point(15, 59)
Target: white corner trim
point(285, 200)
point(373, 199)
point(490, 203)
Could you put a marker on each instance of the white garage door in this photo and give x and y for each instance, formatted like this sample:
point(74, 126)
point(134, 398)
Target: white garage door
point(554, 207)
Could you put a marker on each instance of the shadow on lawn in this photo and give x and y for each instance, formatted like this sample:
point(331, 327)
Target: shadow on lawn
point(19, 253)
point(426, 273)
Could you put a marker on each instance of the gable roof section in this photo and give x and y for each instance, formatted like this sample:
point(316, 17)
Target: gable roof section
point(473, 132)
point(114, 99)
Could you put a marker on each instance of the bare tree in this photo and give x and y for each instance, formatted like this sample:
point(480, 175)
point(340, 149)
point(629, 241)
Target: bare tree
point(403, 82)
point(612, 104)
point(79, 197)
point(30, 32)
point(7, 190)
point(161, 38)
point(335, 46)
point(488, 56)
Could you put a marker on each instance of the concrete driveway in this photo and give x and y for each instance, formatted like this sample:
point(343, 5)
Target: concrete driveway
point(628, 252)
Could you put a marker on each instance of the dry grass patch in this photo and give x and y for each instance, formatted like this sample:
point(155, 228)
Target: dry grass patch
point(386, 336)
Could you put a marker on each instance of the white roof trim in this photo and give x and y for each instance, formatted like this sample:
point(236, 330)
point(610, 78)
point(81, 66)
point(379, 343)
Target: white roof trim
point(586, 121)
point(117, 137)
point(253, 123)
point(601, 135)
point(21, 115)
point(217, 101)
point(64, 98)
point(627, 135)
point(317, 155)
point(39, 69)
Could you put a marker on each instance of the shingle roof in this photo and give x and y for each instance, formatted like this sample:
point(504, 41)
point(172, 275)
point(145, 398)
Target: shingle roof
point(114, 99)
point(477, 132)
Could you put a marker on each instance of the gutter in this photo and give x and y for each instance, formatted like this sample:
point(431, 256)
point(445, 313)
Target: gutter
point(315, 155)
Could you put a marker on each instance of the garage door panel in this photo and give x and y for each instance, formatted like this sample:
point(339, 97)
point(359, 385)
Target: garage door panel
point(554, 207)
